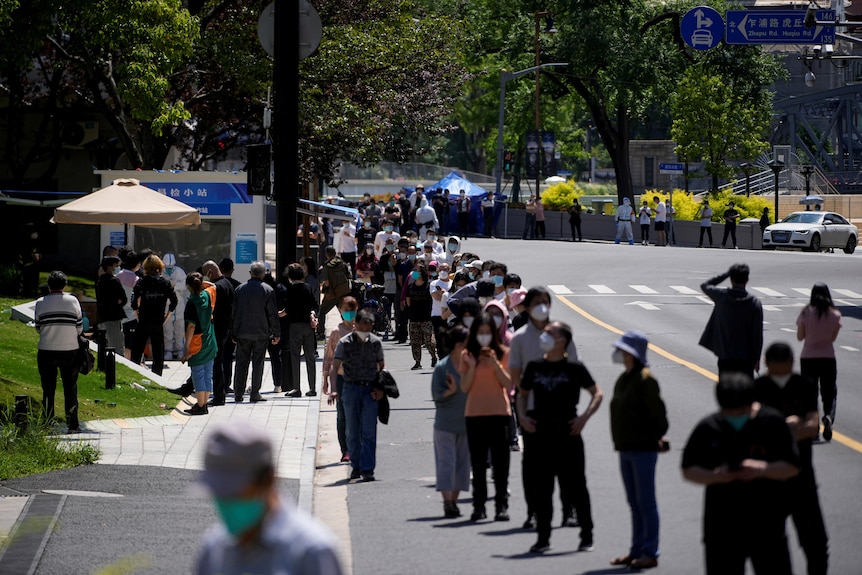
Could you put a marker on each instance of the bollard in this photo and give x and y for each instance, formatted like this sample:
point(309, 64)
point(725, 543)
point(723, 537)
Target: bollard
point(22, 408)
point(102, 342)
point(110, 368)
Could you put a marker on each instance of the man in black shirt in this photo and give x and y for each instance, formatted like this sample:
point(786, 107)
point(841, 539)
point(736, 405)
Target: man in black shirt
point(365, 235)
point(222, 313)
point(298, 310)
point(796, 397)
point(743, 454)
point(730, 217)
point(552, 432)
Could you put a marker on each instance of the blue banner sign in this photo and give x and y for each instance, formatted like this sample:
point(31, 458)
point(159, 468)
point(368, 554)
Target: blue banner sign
point(777, 27)
point(209, 198)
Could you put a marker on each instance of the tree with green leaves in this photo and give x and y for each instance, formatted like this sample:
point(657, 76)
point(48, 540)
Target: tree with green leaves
point(715, 124)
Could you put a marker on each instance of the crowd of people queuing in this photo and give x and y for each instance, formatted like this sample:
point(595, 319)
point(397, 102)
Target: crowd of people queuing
point(501, 367)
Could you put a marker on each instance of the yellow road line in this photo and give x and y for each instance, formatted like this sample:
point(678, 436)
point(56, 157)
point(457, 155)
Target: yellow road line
point(836, 436)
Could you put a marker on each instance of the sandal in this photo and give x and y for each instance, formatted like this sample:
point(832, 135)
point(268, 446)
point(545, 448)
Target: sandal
point(624, 560)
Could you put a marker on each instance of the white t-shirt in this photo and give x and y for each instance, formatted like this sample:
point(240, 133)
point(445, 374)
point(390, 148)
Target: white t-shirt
point(380, 241)
point(345, 239)
point(644, 215)
point(660, 212)
point(437, 306)
point(706, 218)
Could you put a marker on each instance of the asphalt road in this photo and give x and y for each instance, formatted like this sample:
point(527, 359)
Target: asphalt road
point(396, 523)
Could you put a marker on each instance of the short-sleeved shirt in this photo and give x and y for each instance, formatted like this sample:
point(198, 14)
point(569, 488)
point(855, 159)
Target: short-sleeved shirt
point(661, 212)
point(359, 359)
point(730, 215)
point(714, 443)
point(486, 395)
point(818, 331)
point(556, 387)
point(365, 236)
point(524, 347)
point(198, 312)
point(798, 397)
point(445, 286)
point(420, 302)
point(706, 218)
point(644, 215)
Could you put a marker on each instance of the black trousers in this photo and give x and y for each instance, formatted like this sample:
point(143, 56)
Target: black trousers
point(156, 334)
point(275, 361)
point(708, 232)
point(227, 361)
point(576, 227)
point(824, 372)
point(463, 224)
point(766, 547)
point(219, 376)
point(729, 230)
point(49, 362)
point(489, 222)
point(349, 258)
point(808, 520)
point(560, 456)
point(540, 229)
point(489, 434)
point(439, 325)
point(736, 365)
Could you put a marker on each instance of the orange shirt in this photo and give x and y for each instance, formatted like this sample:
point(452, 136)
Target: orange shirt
point(486, 395)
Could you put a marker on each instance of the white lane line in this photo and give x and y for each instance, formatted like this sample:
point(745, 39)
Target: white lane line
point(771, 308)
point(642, 289)
point(768, 292)
point(704, 299)
point(788, 329)
point(645, 305)
point(601, 288)
point(804, 291)
point(560, 290)
point(844, 302)
point(848, 348)
point(685, 290)
point(848, 293)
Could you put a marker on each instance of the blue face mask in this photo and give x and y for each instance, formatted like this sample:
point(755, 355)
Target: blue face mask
point(240, 515)
point(414, 275)
point(737, 422)
point(349, 315)
point(498, 280)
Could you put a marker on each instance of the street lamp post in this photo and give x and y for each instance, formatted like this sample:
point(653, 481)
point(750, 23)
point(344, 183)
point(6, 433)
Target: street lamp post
point(549, 29)
point(776, 165)
point(747, 169)
point(501, 115)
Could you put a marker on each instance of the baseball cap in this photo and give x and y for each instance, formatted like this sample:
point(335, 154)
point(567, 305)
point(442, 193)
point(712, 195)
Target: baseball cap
point(476, 264)
point(517, 296)
point(234, 458)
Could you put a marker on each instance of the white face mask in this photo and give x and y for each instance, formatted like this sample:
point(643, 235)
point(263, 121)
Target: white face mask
point(546, 342)
point(484, 339)
point(498, 320)
point(467, 321)
point(617, 356)
point(362, 335)
point(540, 312)
point(444, 275)
point(780, 380)
point(486, 274)
point(484, 300)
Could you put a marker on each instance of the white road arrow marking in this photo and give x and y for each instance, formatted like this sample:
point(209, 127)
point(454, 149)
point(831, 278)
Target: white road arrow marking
point(645, 305)
point(560, 290)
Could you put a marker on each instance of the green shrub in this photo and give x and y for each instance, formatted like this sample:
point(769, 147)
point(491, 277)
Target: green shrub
point(559, 197)
point(10, 280)
point(686, 206)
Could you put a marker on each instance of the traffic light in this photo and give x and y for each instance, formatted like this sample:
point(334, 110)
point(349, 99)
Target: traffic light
point(508, 158)
point(259, 169)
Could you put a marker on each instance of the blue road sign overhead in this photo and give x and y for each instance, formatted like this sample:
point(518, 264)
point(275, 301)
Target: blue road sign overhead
point(702, 28)
point(777, 27)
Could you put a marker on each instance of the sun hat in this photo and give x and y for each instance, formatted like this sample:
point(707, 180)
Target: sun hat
point(635, 343)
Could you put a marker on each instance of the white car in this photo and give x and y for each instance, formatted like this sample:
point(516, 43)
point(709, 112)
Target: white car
point(812, 231)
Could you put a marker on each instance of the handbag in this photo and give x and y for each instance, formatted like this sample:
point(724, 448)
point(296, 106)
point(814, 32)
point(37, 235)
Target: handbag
point(85, 358)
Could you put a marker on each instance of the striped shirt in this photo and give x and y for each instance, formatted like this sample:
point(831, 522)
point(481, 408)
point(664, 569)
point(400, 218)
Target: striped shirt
point(58, 321)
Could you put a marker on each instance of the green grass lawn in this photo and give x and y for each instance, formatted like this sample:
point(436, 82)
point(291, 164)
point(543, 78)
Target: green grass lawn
point(19, 376)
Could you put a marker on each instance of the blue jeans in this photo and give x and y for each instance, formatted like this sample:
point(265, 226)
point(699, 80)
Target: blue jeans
point(360, 411)
point(638, 471)
point(202, 376)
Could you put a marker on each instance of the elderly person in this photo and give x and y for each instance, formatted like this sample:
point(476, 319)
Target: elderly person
point(638, 425)
point(259, 533)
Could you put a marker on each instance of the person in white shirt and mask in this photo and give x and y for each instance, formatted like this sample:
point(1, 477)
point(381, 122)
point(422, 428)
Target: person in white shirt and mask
point(426, 219)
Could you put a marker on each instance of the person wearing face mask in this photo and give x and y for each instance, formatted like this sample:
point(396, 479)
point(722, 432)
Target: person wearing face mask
point(525, 347)
point(623, 218)
point(519, 315)
point(495, 278)
point(448, 255)
point(368, 267)
point(462, 208)
point(406, 264)
point(348, 310)
point(426, 219)
point(743, 454)
point(110, 301)
point(511, 282)
point(387, 235)
point(388, 267)
point(345, 244)
point(258, 533)
point(300, 314)
point(497, 310)
point(439, 288)
point(391, 212)
point(555, 448)
point(175, 328)
point(795, 396)
point(485, 380)
point(419, 314)
point(365, 235)
point(436, 247)
point(638, 425)
point(222, 313)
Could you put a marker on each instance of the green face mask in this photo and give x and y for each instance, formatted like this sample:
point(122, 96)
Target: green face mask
point(240, 515)
point(349, 315)
point(737, 422)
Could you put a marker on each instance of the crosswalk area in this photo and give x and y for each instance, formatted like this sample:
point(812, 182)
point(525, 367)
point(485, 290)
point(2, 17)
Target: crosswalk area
point(770, 296)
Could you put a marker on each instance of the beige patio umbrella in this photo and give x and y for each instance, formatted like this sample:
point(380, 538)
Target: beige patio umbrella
point(127, 202)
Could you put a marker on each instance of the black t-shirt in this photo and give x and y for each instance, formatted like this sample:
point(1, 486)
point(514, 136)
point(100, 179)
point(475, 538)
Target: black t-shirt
point(556, 387)
point(420, 302)
point(730, 215)
point(365, 236)
point(798, 397)
point(757, 504)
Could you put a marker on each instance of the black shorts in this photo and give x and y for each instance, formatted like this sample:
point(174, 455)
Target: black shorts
point(129, 333)
point(659, 226)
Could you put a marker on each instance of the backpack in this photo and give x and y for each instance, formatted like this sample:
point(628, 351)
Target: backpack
point(340, 284)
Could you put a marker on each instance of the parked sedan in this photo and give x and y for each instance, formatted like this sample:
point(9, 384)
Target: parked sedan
point(812, 231)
